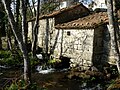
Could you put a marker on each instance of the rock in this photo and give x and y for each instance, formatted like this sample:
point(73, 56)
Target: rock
point(93, 68)
point(69, 76)
point(78, 75)
point(1, 73)
point(84, 76)
point(94, 73)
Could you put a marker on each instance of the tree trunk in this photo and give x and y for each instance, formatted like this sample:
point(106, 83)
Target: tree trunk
point(33, 2)
point(0, 42)
point(20, 38)
point(0, 39)
point(27, 73)
point(9, 45)
point(46, 38)
point(35, 30)
point(53, 47)
point(113, 26)
point(117, 33)
point(17, 19)
point(30, 9)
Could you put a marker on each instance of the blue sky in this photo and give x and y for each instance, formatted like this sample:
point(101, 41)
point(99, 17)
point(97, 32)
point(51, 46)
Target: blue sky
point(86, 1)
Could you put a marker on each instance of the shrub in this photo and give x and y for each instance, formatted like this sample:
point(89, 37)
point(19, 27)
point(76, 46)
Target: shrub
point(9, 59)
point(20, 85)
point(14, 58)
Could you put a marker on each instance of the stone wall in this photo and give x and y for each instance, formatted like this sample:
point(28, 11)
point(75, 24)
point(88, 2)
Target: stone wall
point(30, 31)
point(53, 36)
point(101, 46)
point(43, 26)
point(41, 33)
point(77, 45)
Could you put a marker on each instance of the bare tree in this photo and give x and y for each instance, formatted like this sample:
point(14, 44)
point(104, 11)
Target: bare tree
point(17, 17)
point(1, 23)
point(20, 37)
point(113, 26)
point(8, 33)
point(33, 3)
point(35, 29)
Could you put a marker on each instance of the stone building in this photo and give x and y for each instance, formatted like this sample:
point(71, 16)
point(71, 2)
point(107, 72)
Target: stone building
point(88, 41)
point(47, 35)
point(75, 33)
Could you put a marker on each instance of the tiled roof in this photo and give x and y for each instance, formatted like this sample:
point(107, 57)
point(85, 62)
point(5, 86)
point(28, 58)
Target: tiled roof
point(57, 12)
point(90, 21)
point(62, 10)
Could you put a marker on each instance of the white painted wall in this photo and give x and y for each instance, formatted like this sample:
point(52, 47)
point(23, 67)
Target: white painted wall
point(66, 3)
point(63, 4)
point(99, 4)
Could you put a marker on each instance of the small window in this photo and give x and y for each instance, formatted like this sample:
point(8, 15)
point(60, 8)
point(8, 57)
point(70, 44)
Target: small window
point(68, 33)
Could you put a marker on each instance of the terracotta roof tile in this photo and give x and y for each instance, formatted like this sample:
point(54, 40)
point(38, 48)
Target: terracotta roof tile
point(90, 21)
point(63, 10)
point(57, 12)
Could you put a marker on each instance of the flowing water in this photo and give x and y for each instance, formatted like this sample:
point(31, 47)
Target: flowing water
point(49, 78)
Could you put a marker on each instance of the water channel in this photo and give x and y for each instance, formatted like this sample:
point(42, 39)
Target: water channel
point(50, 79)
